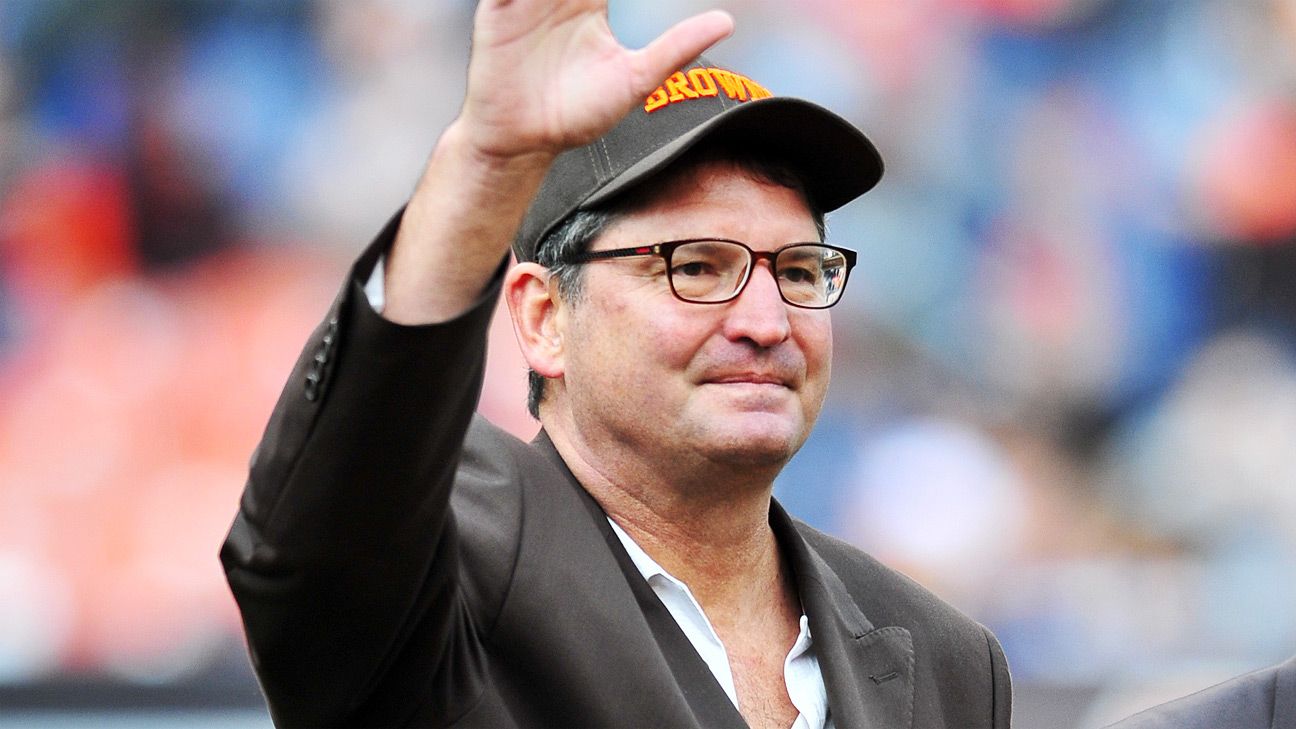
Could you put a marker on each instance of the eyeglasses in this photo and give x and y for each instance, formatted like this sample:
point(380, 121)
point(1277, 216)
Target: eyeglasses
point(714, 270)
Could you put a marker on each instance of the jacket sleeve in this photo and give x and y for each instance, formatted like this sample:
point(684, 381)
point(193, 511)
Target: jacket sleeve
point(344, 545)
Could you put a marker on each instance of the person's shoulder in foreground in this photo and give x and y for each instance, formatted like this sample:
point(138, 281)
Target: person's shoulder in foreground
point(1263, 699)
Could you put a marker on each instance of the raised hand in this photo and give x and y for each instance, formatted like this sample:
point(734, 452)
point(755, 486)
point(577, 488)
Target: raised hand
point(547, 75)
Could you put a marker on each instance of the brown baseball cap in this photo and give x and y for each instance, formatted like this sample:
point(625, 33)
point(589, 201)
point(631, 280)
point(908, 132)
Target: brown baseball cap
point(700, 101)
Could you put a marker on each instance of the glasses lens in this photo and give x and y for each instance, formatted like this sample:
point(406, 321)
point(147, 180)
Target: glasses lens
point(708, 270)
point(811, 275)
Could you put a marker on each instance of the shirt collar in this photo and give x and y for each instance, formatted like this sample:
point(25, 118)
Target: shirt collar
point(646, 565)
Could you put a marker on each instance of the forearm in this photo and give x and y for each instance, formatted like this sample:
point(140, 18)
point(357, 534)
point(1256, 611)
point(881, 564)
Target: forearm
point(457, 227)
point(389, 423)
point(346, 509)
point(544, 77)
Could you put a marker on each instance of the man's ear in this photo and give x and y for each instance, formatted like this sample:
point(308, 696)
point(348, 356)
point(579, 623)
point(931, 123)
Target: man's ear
point(537, 314)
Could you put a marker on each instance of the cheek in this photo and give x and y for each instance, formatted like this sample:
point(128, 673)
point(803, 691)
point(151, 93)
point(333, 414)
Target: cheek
point(641, 334)
point(817, 348)
point(613, 339)
point(673, 342)
point(814, 337)
point(659, 332)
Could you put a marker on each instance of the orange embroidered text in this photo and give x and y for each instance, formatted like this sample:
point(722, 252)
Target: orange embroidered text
point(702, 82)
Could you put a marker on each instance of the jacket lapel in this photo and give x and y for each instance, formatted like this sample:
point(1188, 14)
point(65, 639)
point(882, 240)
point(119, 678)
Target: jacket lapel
point(868, 671)
point(705, 697)
point(638, 658)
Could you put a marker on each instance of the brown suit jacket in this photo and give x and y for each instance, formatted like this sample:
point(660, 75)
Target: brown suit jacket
point(400, 562)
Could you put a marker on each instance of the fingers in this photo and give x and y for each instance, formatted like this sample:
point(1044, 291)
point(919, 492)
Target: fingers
point(680, 44)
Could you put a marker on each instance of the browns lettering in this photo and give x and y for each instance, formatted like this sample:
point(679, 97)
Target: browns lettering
point(704, 82)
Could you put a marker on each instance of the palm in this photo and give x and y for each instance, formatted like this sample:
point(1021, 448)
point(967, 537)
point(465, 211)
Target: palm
point(548, 75)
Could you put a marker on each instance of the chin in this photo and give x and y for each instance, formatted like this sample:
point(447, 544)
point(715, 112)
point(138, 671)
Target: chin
point(757, 444)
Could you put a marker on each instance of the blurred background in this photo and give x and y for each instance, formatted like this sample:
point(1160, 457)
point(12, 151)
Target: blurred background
point(1065, 386)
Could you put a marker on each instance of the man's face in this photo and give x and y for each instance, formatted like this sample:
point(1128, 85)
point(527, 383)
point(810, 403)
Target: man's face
point(739, 382)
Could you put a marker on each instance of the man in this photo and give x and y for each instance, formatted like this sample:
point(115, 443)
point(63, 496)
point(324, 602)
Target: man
point(400, 562)
point(1264, 699)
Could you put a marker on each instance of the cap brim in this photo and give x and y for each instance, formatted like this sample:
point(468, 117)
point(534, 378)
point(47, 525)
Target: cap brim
point(836, 160)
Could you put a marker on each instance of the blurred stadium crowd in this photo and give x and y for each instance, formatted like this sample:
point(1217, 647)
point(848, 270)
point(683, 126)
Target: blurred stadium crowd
point(1065, 378)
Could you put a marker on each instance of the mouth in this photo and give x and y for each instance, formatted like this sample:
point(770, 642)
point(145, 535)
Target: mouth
point(750, 378)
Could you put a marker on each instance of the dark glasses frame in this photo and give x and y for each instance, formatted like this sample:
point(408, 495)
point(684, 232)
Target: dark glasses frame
point(667, 249)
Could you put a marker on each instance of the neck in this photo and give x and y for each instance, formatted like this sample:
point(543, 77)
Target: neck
point(710, 530)
point(728, 565)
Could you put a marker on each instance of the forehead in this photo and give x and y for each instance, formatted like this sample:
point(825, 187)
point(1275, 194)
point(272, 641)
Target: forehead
point(715, 199)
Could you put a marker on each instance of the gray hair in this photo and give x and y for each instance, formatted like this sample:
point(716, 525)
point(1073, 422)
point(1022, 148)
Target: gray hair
point(573, 235)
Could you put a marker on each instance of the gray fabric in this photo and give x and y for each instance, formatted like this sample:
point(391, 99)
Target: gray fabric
point(1264, 699)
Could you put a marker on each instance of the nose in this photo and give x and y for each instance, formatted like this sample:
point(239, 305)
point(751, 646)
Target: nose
point(759, 313)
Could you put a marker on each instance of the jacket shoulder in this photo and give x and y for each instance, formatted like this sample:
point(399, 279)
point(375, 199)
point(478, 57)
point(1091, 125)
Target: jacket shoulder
point(961, 676)
point(1242, 702)
point(885, 595)
point(488, 509)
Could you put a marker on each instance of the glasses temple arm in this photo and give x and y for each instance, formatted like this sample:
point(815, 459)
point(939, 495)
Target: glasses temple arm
point(617, 253)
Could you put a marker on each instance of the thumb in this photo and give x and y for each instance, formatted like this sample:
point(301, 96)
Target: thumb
point(683, 42)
